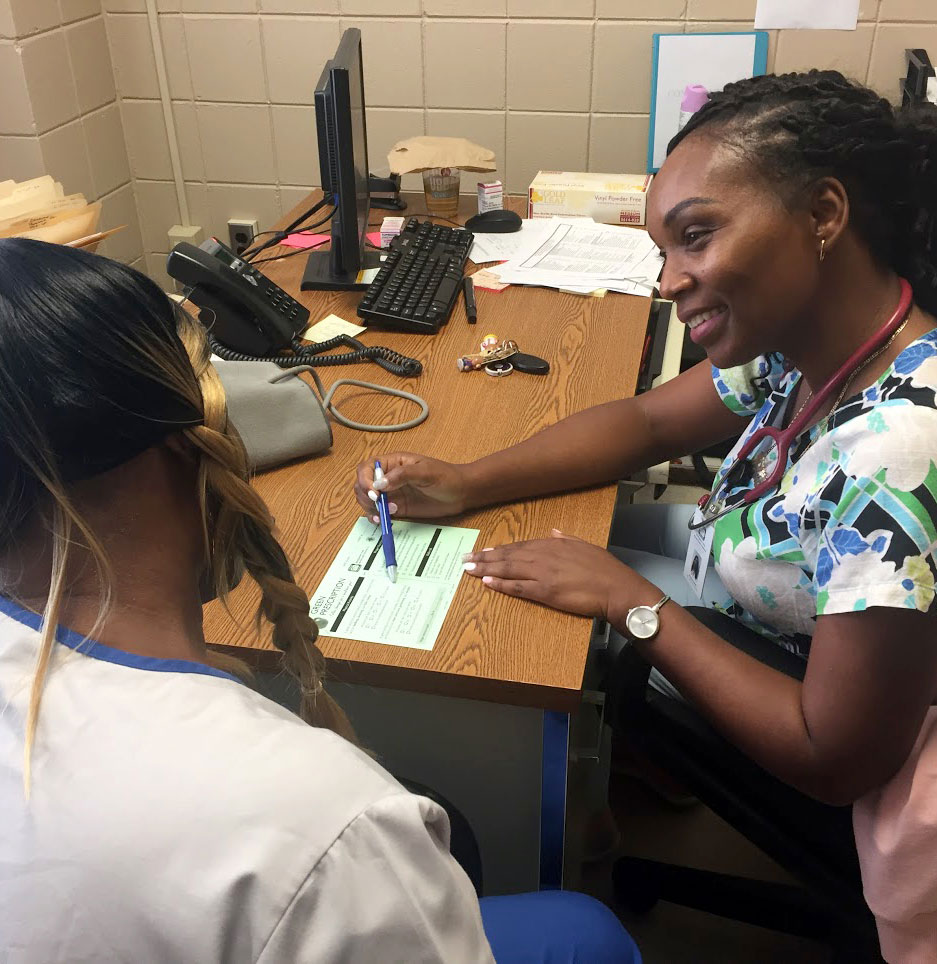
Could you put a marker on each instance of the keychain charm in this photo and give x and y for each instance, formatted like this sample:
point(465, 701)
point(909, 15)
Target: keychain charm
point(468, 363)
point(494, 351)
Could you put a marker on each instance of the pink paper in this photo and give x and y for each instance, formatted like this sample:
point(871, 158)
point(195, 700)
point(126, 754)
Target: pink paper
point(305, 240)
point(311, 240)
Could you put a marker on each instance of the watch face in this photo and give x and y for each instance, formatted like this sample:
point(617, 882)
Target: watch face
point(643, 622)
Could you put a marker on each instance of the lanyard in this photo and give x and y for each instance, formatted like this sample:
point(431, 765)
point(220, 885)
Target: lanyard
point(745, 468)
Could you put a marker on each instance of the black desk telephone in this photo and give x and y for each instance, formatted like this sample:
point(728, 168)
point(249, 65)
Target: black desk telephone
point(249, 318)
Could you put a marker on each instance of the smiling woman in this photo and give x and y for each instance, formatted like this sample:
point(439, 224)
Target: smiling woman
point(782, 171)
point(789, 210)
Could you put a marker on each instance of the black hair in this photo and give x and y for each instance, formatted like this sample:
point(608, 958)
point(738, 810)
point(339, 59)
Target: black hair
point(97, 365)
point(799, 127)
point(85, 344)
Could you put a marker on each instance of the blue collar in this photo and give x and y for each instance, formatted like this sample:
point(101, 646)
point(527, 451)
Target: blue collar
point(108, 654)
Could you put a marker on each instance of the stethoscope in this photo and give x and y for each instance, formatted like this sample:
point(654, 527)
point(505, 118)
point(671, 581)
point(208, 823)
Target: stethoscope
point(745, 468)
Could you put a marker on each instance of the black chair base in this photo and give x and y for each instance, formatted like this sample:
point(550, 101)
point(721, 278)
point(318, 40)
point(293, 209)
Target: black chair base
point(639, 884)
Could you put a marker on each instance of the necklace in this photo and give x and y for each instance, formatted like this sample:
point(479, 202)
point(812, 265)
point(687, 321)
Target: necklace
point(849, 380)
point(821, 425)
point(803, 404)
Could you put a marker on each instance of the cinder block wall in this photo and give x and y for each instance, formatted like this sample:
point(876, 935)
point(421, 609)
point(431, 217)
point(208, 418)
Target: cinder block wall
point(562, 84)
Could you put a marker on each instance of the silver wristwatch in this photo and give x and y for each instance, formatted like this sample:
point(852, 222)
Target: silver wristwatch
point(643, 622)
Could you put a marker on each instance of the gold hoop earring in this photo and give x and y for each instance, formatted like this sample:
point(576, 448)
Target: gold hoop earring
point(822, 249)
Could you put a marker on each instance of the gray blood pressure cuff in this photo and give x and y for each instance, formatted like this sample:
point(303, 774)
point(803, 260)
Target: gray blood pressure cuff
point(277, 414)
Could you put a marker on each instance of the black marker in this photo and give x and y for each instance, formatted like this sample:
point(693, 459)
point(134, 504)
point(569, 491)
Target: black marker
point(468, 289)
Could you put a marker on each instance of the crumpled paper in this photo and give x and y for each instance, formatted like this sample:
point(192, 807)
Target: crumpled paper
point(426, 153)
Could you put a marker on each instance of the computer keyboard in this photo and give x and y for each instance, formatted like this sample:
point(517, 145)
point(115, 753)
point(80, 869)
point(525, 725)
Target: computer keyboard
point(417, 285)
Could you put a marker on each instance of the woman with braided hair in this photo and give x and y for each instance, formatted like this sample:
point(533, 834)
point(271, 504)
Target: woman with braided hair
point(797, 216)
point(156, 808)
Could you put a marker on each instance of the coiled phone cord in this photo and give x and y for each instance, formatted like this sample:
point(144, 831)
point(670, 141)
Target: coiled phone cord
point(390, 360)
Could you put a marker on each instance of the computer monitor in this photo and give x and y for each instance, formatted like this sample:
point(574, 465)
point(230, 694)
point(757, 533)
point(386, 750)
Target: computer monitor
point(343, 167)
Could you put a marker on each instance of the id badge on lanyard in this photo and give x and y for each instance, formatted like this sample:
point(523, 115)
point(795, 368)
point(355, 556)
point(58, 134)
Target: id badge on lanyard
point(698, 551)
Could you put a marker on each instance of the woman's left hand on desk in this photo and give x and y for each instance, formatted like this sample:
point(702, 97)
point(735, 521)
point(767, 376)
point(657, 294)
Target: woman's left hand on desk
point(563, 572)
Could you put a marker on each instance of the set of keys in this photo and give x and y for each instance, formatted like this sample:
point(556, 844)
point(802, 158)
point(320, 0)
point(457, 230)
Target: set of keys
point(499, 358)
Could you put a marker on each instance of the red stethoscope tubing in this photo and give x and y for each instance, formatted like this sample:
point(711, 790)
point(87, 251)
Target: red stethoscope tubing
point(785, 437)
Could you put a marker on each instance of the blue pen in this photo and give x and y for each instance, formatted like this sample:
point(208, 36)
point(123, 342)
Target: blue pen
point(387, 531)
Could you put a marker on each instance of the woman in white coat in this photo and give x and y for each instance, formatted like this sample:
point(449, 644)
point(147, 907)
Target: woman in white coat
point(155, 807)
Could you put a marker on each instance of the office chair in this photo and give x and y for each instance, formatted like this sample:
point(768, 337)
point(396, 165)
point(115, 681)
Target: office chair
point(812, 841)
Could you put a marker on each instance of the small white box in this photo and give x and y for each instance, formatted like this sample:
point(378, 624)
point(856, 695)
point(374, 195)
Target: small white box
point(390, 228)
point(490, 196)
point(606, 198)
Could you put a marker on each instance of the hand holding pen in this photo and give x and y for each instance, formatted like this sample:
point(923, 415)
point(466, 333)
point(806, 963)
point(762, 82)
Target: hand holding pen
point(417, 487)
point(387, 531)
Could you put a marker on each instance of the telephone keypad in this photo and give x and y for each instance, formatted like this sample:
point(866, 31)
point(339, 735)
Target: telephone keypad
point(283, 302)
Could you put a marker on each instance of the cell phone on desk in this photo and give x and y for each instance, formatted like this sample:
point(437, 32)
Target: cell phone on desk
point(240, 307)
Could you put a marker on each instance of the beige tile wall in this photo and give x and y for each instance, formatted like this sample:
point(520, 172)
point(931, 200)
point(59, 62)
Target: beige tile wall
point(545, 83)
point(59, 113)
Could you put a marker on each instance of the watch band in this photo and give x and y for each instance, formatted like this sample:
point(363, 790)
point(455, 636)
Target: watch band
point(657, 608)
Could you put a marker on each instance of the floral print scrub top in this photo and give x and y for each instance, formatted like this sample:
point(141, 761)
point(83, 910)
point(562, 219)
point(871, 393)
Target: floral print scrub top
point(854, 522)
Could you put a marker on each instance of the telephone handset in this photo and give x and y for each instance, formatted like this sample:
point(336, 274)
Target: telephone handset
point(251, 314)
point(249, 318)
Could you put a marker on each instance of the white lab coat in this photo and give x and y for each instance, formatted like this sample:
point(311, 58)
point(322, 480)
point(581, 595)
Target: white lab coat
point(178, 816)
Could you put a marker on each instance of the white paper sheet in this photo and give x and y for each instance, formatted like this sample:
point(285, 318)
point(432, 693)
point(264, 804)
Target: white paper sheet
point(574, 248)
point(578, 254)
point(501, 247)
point(622, 287)
point(329, 327)
point(806, 14)
point(356, 600)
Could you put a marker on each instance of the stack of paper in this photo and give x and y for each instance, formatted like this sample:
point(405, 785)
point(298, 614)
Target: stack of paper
point(500, 247)
point(576, 254)
point(40, 209)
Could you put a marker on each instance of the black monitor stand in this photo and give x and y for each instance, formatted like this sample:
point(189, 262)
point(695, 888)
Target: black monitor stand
point(321, 276)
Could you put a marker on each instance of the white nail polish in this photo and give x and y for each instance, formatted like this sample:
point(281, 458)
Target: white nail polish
point(372, 495)
point(468, 566)
point(392, 506)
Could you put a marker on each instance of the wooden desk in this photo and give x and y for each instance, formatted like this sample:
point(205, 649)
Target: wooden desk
point(484, 717)
point(491, 647)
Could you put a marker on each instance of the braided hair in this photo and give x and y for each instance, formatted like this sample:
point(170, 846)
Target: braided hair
point(799, 127)
point(238, 530)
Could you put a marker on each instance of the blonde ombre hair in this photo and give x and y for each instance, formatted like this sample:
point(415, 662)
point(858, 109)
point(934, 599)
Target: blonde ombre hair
point(138, 370)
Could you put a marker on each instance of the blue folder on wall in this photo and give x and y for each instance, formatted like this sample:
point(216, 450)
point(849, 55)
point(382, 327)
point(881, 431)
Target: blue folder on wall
point(710, 59)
